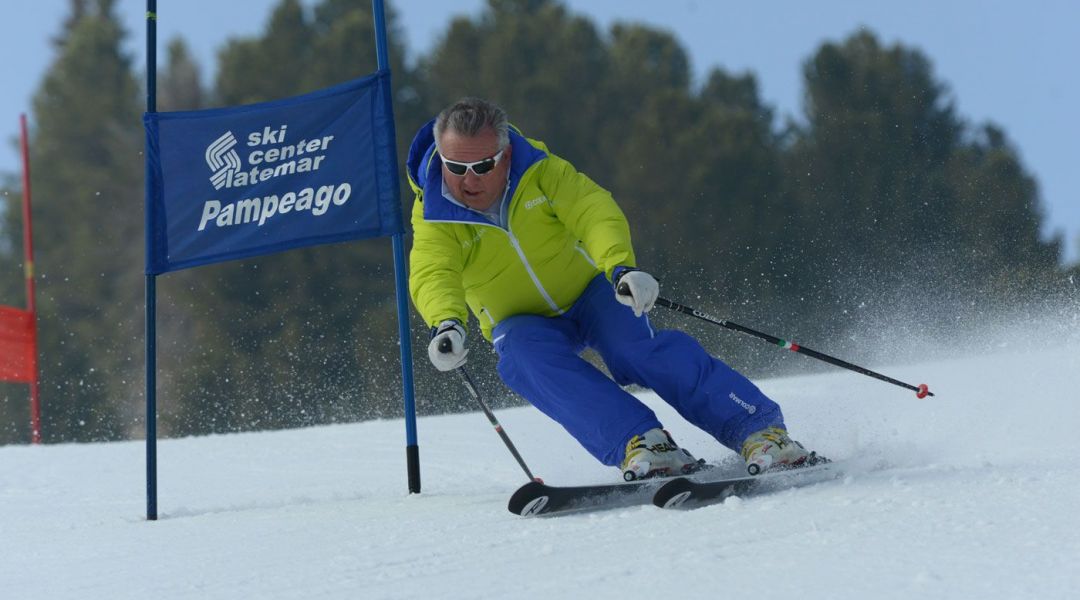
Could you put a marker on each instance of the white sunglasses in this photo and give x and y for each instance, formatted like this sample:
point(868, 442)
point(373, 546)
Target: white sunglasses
point(480, 167)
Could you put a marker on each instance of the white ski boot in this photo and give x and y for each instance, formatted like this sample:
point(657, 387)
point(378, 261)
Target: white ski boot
point(655, 454)
point(772, 449)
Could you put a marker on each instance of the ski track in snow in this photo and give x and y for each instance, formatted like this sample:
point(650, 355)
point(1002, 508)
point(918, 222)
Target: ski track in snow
point(969, 494)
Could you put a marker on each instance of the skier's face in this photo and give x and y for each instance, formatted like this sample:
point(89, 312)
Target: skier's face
point(476, 173)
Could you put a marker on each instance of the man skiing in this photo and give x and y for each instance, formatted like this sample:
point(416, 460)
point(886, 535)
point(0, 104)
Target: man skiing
point(541, 255)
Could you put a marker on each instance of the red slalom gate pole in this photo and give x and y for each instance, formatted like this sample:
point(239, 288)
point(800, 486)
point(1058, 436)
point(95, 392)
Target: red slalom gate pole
point(31, 307)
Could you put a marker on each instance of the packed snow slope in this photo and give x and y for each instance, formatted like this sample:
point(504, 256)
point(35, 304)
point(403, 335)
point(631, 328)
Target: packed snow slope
point(971, 494)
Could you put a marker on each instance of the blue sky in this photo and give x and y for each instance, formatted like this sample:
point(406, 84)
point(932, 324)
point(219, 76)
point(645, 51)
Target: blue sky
point(1010, 62)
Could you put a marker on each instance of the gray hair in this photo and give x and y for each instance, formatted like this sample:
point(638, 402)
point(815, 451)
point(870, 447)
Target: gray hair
point(469, 116)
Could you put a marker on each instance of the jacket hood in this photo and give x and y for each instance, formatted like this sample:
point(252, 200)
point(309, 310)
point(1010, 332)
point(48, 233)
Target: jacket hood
point(423, 144)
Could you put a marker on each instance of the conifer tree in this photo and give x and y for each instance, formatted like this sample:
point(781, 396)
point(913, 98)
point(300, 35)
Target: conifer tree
point(87, 154)
point(899, 203)
point(278, 337)
point(179, 85)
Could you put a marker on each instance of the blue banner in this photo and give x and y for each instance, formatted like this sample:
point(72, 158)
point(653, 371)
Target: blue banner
point(249, 180)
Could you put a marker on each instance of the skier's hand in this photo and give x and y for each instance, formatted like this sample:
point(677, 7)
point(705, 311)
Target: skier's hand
point(636, 289)
point(447, 347)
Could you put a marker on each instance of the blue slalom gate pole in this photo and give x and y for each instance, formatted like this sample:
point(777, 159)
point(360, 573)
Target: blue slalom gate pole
point(412, 449)
point(151, 284)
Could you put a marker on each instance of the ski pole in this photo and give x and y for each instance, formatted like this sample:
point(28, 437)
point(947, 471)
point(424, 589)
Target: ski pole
point(445, 347)
point(921, 390)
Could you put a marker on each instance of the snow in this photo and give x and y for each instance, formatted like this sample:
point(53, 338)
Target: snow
point(970, 494)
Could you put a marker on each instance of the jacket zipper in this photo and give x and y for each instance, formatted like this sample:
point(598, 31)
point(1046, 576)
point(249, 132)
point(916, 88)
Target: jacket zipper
point(532, 274)
point(504, 216)
point(521, 256)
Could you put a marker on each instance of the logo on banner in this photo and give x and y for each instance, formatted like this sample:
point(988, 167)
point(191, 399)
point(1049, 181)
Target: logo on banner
point(223, 160)
point(269, 157)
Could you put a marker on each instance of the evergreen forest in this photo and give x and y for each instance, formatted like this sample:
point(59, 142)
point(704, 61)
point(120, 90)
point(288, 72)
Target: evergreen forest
point(877, 225)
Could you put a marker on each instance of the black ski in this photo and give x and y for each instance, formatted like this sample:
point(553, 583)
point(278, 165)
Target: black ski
point(535, 498)
point(705, 487)
point(685, 492)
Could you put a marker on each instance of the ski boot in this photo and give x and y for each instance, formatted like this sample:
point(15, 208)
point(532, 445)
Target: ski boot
point(655, 454)
point(772, 449)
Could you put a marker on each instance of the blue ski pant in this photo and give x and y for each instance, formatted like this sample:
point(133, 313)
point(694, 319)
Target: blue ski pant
point(539, 358)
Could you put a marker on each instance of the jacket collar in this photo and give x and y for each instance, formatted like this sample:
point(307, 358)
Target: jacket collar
point(425, 171)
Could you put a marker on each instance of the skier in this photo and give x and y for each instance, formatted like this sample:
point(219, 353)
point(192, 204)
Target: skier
point(542, 256)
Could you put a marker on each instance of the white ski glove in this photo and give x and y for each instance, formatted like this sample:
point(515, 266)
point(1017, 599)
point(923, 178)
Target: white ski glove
point(447, 347)
point(636, 289)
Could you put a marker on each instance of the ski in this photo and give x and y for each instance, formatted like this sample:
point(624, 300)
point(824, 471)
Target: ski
point(687, 492)
point(704, 487)
point(535, 498)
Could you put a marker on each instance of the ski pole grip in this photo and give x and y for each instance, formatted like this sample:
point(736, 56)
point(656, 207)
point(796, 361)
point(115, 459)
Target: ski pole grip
point(446, 346)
